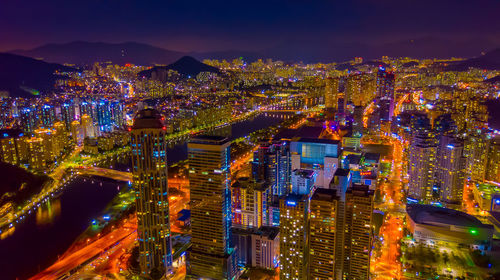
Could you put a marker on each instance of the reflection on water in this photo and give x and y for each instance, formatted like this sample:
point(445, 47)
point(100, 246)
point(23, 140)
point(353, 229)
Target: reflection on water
point(48, 212)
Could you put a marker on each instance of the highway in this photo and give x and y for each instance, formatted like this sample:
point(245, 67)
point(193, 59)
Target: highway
point(73, 260)
point(385, 261)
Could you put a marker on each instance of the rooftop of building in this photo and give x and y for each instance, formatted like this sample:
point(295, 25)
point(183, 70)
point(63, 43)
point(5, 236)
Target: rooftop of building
point(342, 172)
point(267, 231)
point(245, 182)
point(353, 158)
point(306, 173)
point(372, 157)
point(360, 190)
point(148, 118)
point(11, 133)
point(209, 139)
point(433, 215)
point(317, 140)
point(325, 194)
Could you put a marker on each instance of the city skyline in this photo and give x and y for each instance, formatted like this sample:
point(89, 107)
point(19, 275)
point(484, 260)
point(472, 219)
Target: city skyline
point(302, 141)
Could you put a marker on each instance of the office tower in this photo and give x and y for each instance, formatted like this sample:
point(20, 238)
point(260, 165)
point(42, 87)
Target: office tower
point(341, 182)
point(104, 116)
point(250, 202)
point(322, 234)
point(493, 170)
point(385, 93)
point(283, 168)
point(303, 181)
point(422, 163)
point(67, 114)
point(47, 115)
point(212, 255)
point(294, 224)
point(476, 151)
point(149, 170)
point(264, 163)
point(450, 167)
point(320, 155)
point(271, 163)
point(358, 232)
point(331, 93)
point(87, 126)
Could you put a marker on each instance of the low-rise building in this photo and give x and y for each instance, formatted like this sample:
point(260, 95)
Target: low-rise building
point(442, 226)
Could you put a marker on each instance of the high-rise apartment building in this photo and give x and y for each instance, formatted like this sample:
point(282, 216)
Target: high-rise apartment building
point(493, 170)
point(149, 169)
point(422, 164)
point(476, 149)
point(385, 93)
point(450, 167)
point(358, 232)
point(294, 243)
point(212, 255)
point(331, 93)
point(322, 234)
point(250, 202)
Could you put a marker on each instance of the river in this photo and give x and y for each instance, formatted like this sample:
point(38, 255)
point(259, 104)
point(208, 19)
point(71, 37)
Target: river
point(37, 241)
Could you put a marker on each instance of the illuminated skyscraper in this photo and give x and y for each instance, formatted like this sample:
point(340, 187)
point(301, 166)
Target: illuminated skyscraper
point(450, 167)
point(385, 93)
point(476, 151)
point(331, 93)
point(87, 126)
point(28, 119)
point(322, 234)
point(251, 201)
point(47, 115)
point(294, 224)
point(104, 116)
point(149, 163)
point(117, 114)
point(67, 114)
point(493, 170)
point(358, 232)
point(422, 165)
point(212, 255)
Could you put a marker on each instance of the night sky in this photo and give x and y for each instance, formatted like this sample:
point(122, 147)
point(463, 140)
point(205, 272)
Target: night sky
point(244, 25)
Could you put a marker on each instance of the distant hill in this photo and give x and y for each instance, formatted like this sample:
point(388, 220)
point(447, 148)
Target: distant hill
point(493, 80)
point(25, 77)
point(13, 177)
point(294, 50)
point(186, 66)
point(87, 53)
point(489, 61)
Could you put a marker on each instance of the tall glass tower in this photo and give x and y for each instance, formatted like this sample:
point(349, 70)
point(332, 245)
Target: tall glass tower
point(149, 162)
point(212, 254)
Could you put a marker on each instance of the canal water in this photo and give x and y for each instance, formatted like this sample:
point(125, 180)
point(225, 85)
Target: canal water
point(36, 242)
